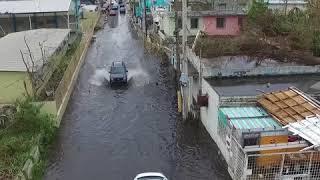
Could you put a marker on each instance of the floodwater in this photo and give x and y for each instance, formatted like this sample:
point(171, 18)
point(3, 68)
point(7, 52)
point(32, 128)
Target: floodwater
point(116, 133)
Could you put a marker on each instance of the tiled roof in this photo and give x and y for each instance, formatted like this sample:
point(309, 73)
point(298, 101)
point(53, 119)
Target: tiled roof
point(289, 106)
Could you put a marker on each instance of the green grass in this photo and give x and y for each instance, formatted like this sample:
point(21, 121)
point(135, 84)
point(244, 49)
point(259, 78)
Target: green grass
point(31, 122)
point(88, 22)
point(31, 127)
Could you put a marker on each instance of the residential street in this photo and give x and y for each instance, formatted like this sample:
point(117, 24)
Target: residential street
point(116, 133)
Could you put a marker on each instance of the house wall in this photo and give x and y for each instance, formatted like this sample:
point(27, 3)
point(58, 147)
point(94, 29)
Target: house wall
point(12, 86)
point(167, 24)
point(231, 27)
point(37, 21)
point(194, 31)
point(281, 7)
point(209, 116)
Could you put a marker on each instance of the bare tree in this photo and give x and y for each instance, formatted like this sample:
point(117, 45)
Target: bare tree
point(33, 71)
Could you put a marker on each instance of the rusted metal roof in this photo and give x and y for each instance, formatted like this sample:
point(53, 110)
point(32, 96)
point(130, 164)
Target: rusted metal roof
point(289, 106)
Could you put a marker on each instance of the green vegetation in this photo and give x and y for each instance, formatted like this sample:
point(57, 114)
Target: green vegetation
point(73, 52)
point(288, 35)
point(294, 30)
point(31, 127)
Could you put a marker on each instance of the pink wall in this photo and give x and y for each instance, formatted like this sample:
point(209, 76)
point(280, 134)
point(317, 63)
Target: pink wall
point(231, 27)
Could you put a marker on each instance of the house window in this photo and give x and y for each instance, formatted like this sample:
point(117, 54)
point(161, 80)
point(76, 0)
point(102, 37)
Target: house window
point(222, 6)
point(220, 22)
point(250, 139)
point(179, 23)
point(194, 23)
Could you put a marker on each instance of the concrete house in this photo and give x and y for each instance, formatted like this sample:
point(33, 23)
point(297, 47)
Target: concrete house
point(24, 15)
point(248, 109)
point(220, 19)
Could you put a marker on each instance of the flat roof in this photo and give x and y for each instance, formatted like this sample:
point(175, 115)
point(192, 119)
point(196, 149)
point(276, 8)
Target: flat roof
point(253, 86)
point(251, 117)
point(13, 43)
point(281, 2)
point(34, 6)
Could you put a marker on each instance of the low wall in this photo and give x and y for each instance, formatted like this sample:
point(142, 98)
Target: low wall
point(257, 71)
point(66, 86)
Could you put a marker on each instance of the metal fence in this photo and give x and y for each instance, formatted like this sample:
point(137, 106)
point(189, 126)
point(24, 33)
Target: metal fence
point(286, 165)
point(279, 164)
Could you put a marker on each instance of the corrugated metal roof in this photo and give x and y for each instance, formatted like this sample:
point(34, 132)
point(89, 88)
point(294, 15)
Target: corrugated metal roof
point(308, 129)
point(34, 6)
point(11, 45)
point(249, 117)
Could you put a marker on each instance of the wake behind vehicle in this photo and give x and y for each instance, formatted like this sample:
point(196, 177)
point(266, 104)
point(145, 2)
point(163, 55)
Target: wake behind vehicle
point(150, 176)
point(118, 73)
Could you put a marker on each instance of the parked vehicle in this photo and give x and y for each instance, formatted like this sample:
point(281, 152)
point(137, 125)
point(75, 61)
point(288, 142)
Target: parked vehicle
point(118, 73)
point(115, 6)
point(150, 176)
point(122, 9)
point(113, 12)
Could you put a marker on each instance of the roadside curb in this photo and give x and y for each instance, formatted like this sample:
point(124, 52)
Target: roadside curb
point(75, 75)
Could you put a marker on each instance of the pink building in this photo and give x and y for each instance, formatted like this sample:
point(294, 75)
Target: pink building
point(226, 25)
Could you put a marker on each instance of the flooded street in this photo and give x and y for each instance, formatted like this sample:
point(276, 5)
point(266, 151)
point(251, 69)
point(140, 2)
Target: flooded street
point(116, 133)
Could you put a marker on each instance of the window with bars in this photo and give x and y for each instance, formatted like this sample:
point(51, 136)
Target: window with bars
point(220, 22)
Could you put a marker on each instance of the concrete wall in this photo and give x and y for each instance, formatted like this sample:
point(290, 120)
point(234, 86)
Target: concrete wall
point(39, 20)
point(290, 6)
point(167, 24)
point(12, 86)
point(231, 27)
point(209, 117)
point(194, 31)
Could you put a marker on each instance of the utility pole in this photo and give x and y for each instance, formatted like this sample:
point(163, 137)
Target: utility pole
point(176, 31)
point(184, 58)
point(145, 18)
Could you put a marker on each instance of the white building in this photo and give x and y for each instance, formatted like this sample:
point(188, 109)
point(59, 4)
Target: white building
point(289, 4)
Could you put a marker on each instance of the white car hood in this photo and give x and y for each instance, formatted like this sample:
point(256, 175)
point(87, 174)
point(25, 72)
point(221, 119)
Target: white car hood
point(149, 174)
